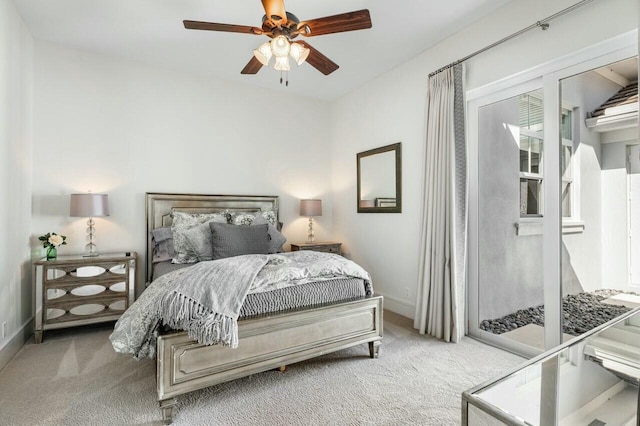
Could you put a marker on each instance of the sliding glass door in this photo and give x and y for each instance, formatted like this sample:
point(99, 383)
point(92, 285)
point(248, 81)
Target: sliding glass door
point(510, 210)
point(547, 195)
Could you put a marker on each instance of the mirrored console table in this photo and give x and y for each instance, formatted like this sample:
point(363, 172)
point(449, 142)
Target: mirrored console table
point(76, 290)
point(590, 380)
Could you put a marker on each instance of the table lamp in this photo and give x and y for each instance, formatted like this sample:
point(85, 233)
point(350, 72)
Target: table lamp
point(311, 208)
point(89, 205)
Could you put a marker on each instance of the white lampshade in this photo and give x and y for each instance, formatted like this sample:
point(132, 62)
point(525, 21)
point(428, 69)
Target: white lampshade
point(299, 53)
point(282, 64)
point(89, 205)
point(280, 46)
point(263, 53)
point(310, 208)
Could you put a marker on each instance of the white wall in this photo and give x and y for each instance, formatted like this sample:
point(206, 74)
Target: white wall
point(615, 268)
point(16, 53)
point(391, 108)
point(510, 272)
point(107, 125)
point(583, 256)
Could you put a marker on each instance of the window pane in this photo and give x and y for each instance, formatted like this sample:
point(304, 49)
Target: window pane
point(566, 153)
point(531, 112)
point(530, 155)
point(530, 192)
point(565, 125)
point(536, 155)
point(566, 199)
point(524, 154)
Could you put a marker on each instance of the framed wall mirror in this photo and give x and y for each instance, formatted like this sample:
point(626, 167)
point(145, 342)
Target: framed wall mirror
point(380, 180)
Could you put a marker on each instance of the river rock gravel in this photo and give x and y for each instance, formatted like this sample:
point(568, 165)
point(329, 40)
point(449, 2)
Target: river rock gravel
point(582, 312)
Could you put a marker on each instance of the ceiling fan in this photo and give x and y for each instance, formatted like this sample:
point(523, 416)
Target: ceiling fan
point(283, 27)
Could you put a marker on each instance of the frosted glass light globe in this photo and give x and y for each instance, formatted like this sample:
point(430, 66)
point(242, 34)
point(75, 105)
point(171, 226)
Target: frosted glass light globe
point(282, 64)
point(263, 53)
point(280, 46)
point(299, 53)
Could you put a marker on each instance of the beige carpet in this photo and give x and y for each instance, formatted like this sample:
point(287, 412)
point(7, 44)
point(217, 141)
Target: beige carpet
point(75, 377)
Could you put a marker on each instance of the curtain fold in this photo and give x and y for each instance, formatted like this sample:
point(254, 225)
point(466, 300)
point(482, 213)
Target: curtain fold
point(442, 275)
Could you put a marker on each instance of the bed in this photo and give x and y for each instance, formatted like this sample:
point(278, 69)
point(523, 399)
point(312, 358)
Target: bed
point(265, 342)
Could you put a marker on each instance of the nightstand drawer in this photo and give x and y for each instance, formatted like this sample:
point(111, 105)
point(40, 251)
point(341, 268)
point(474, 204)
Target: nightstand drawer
point(335, 248)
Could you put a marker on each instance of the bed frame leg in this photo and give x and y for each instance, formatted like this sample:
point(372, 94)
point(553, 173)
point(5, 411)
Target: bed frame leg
point(167, 406)
point(374, 349)
point(282, 368)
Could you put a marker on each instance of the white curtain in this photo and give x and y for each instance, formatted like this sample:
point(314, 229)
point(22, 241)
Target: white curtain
point(441, 286)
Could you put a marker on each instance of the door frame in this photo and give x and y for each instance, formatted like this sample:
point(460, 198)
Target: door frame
point(548, 77)
point(628, 146)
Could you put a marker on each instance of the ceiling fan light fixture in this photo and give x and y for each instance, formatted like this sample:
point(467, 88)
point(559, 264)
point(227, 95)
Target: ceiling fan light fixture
point(282, 63)
point(280, 46)
point(299, 53)
point(263, 53)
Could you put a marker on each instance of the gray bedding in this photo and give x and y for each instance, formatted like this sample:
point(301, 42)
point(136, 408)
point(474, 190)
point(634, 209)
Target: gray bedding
point(315, 293)
point(302, 296)
point(161, 268)
point(207, 299)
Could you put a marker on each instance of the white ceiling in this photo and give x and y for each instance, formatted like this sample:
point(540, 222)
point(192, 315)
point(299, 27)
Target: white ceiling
point(151, 32)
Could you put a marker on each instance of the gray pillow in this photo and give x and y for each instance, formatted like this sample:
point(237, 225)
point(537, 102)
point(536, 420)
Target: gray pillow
point(163, 249)
point(276, 239)
point(232, 240)
point(182, 222)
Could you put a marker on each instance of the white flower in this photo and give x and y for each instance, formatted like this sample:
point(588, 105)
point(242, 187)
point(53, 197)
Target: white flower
point(55, 240)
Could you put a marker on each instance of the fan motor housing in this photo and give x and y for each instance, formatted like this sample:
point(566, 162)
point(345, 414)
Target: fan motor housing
point(271, 25)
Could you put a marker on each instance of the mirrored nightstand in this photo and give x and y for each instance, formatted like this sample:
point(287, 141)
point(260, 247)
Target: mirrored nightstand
point(74, 290)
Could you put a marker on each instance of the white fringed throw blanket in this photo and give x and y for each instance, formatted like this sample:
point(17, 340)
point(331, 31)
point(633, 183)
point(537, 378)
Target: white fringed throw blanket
point(205, 299)
point(206, 302)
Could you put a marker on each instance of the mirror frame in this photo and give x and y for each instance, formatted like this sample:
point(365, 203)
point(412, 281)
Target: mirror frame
point(397, 147)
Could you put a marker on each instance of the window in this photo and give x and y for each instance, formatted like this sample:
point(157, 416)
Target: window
point(531, 116)
point(566, 160)
point(531, 119)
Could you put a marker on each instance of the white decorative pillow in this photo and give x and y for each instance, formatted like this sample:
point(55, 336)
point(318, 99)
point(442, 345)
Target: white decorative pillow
point(249, 218)
point(199, 243)
point(243, 219)
point(185, 252)
point(271, 217)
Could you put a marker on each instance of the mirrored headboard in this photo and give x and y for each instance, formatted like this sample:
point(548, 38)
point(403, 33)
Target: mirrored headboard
point(160, 206)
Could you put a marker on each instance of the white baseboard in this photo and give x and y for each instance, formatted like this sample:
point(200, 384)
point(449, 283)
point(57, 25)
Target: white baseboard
point(399, 306)
point(15, 343)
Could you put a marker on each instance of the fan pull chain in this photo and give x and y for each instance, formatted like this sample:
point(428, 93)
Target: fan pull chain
point(284, 77)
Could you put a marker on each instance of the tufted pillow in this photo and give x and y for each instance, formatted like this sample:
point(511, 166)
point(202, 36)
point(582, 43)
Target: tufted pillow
point(185, 252)
point(231, 240)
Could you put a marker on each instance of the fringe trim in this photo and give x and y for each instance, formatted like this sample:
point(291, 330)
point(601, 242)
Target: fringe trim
point(208, 328)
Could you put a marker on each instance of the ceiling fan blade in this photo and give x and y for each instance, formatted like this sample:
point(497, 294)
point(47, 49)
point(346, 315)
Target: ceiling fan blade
point(252, 67)
point(351, 21)
point(317, 60)
point(229, 28)
point(275, 10)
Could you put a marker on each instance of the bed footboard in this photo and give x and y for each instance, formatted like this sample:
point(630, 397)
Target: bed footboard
point(184, 365)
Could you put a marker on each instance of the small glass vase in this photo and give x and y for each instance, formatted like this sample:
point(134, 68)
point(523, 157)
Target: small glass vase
point(52, 253)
